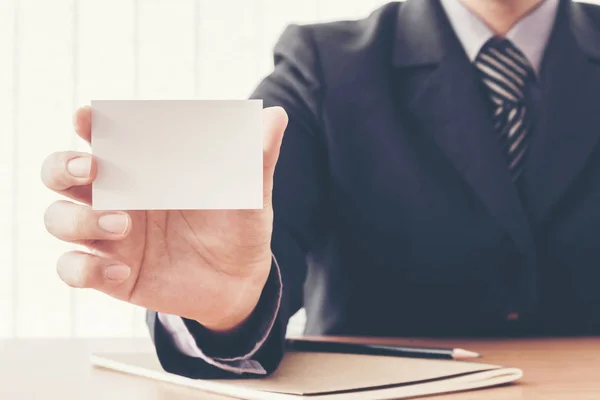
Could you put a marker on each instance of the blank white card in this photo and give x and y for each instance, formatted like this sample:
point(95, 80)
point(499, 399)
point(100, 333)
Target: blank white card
point(177, 154)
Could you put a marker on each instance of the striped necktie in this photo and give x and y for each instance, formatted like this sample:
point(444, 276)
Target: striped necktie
point(505, 71)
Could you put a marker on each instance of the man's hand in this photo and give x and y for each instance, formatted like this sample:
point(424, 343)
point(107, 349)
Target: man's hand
point(209, 266)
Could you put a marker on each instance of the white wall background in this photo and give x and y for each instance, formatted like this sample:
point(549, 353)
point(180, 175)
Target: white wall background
point(56, 55)
point(59, 54)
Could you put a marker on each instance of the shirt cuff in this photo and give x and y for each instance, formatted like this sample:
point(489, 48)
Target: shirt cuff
point(232, 352)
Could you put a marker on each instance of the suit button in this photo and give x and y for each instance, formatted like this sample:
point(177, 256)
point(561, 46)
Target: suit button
point(512, 316)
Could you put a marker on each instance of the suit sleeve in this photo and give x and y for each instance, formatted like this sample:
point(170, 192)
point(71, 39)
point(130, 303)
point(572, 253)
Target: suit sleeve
point(299, 197)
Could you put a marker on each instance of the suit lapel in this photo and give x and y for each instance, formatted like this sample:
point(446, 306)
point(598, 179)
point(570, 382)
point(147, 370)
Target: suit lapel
point(439, 84)
point(570, 122)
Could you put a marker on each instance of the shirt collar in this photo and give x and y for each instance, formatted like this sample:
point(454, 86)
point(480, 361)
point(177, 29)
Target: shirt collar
point(530, 34)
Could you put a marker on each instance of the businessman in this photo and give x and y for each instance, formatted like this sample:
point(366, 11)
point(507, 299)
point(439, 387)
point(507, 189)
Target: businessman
point(431, 170)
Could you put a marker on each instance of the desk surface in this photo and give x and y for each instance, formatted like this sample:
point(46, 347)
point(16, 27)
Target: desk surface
point(53, 369)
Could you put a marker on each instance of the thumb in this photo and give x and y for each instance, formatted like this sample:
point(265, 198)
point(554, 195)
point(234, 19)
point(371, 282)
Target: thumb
point(276, 120)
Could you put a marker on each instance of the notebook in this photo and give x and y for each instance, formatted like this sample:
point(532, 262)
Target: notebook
point(330, 376)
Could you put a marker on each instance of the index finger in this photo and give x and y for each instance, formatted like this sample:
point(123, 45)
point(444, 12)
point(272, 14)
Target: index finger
point(82, 122)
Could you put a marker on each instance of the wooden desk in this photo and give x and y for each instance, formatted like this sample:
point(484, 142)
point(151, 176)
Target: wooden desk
point(58, 369)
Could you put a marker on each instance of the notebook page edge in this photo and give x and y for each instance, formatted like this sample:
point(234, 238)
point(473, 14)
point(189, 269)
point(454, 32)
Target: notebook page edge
point(202, 385)
point(487, 379)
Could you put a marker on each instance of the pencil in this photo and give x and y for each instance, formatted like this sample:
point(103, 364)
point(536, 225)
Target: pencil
point(380, 350)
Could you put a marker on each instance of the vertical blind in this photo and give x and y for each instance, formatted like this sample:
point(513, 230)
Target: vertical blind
point(56, 55)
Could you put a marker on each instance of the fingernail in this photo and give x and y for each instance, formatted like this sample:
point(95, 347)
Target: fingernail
point(114, 223)
point(117, 272)
point(80, 167)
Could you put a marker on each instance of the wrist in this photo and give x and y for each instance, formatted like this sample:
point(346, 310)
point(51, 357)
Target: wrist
point(239, 304)
point(231, 324)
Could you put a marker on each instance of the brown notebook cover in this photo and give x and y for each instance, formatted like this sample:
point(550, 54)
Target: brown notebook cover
point(331, 376)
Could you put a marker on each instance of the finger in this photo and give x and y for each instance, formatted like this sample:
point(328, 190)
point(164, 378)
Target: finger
point(77, 223)
point(82, 122)
point(276, 120)
point(70, 173)
point(83, 270)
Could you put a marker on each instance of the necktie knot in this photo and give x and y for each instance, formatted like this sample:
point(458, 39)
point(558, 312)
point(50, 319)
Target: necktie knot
point(504, 70)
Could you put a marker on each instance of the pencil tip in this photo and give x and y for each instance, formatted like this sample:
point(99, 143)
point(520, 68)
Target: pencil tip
point(462, 353)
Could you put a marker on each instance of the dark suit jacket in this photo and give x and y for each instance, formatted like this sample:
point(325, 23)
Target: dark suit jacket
point(395, 213)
